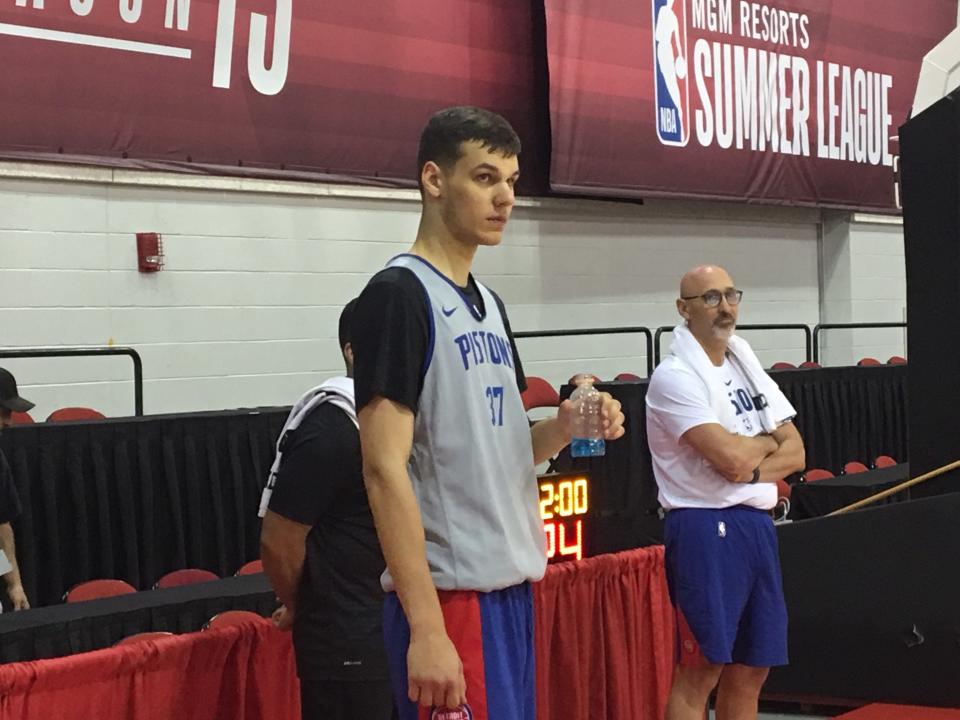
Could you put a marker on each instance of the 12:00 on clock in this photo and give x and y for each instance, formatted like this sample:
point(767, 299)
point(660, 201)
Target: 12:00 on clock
point(564, 509)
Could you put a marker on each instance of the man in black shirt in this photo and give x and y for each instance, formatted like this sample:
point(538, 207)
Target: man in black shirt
point(319, 549)
point(10, 402)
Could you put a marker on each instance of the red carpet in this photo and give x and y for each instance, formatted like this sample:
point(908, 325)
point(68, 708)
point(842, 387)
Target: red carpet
point(900, 712)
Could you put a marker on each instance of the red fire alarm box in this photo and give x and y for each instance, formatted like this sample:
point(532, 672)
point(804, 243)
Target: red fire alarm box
point(149, 252)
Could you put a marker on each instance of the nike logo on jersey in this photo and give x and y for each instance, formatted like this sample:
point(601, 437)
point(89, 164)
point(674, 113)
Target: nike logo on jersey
point(449, 312)
point(728, 382)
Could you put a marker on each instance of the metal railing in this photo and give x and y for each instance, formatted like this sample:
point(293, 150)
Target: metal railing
point(809, 337)
point(645, 331)
point(89, 352)
point(847, 326)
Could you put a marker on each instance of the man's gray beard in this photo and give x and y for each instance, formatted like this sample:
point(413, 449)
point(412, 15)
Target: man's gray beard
point(724, 333)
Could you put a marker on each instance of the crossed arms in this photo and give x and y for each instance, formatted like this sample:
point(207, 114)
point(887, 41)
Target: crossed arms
point(735, 457)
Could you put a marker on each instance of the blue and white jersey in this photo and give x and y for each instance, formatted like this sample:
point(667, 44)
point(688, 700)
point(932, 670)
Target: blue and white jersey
point(472, 459)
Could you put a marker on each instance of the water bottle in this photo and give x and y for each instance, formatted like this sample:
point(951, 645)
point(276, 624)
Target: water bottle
point(587, 422)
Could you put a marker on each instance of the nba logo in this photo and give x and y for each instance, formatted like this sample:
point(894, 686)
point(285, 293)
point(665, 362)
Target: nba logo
point(670, 71)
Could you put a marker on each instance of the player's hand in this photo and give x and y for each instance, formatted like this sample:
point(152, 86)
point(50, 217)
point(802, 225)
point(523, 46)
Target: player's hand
point(611, 412)
point(435, 672)
point(18, 597)
point(283, 618)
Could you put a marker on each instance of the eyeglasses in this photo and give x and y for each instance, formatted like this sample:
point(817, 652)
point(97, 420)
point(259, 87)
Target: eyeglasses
point(711, 298)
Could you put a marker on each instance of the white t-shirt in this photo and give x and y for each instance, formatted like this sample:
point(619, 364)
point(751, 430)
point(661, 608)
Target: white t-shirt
point(678, 400)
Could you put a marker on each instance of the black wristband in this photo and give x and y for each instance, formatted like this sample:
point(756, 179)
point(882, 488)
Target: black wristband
point(756, 475)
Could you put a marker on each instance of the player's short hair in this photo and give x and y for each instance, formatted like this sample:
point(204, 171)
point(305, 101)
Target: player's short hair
point(346, 321)
point(444, 133)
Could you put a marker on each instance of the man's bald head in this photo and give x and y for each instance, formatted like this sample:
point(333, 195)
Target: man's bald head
point(698, 280)
point(708, 324)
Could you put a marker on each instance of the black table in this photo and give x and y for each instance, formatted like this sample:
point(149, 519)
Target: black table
point(60, 630)
point(820, 497)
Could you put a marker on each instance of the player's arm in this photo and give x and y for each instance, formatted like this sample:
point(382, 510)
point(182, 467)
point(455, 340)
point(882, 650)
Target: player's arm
point(386, 437)
point(282, 550)
point(733, 456)
point(789, 457)
point(550, 436)
point(14, 585)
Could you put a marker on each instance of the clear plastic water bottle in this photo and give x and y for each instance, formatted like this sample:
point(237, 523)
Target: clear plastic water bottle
point(587, 422)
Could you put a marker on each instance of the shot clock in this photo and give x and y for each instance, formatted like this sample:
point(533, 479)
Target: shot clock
point(565, 511)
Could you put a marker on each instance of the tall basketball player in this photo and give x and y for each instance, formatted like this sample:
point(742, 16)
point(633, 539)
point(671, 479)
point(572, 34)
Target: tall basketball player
point(448, 454)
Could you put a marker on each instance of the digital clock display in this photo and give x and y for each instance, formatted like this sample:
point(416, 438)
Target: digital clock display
point(564, 509)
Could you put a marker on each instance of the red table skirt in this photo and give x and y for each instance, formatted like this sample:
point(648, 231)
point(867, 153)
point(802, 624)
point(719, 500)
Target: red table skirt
point(604, 632)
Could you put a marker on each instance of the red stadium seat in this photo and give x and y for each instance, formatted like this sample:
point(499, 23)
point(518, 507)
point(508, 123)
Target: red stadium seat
point(233, 617)
point(187, 576)
point(817, 474)
point(810, 364)
point(897, 360)
point(782, 365)
point(782, 509)
point(629, 377)
point(96, 589)
point(868, 362)
point(140, 637)
point(75, 413)
point(21, 418)
point(251, 568)
point(783, 489)
point(539, 393)
point(883, 461)
point(854, 467)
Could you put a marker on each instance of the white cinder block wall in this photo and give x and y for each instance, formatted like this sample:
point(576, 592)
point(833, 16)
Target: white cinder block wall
point(244, 314)
point(862, 263)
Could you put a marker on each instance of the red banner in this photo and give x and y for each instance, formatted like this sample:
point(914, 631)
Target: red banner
point(787, 102)
point(340, 87)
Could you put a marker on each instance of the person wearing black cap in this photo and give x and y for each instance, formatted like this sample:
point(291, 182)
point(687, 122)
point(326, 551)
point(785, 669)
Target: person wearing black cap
point(320, 552)
point(10, 402)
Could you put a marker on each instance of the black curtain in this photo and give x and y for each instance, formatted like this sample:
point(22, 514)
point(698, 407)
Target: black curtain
point(930, 162)
point(134, 499)
point(137, 498)
point(851, 413)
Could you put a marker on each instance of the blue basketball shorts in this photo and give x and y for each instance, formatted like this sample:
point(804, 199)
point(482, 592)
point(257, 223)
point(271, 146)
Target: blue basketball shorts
point(493, 634)
point(723, 571)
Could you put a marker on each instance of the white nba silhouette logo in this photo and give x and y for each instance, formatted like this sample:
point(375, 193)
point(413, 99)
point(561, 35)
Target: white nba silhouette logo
point(671, 87)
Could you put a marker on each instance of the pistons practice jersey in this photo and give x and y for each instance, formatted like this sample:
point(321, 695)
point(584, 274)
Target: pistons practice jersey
point(472, 459)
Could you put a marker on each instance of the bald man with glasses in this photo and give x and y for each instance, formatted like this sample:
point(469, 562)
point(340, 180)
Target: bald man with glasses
point(721, 435)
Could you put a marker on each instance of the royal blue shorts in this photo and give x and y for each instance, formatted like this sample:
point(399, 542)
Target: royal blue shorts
point(723, 570)
point(493, 633)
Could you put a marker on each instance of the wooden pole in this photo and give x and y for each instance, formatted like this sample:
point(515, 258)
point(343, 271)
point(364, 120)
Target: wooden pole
point(897, 488)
